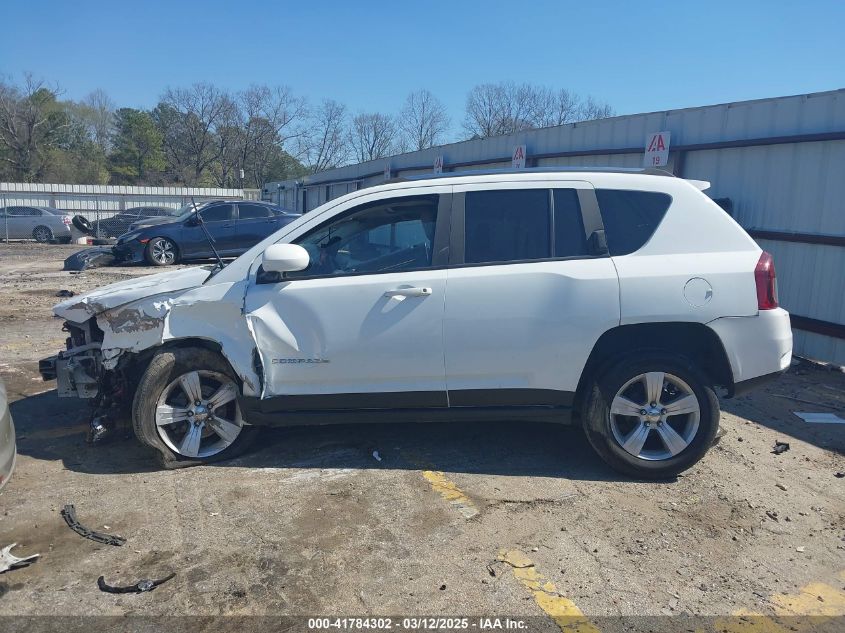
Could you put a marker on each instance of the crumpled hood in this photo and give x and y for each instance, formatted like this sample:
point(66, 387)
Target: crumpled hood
point(81, 308)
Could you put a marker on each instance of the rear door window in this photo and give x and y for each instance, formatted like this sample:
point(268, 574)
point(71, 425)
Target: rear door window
point(507, 225)
point(630, 217)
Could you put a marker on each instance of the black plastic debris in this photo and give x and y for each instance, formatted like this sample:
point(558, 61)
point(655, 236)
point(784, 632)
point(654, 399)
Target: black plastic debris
point(142, 586)
point(780, 447)
point(840, 475)
point(65, 293)
point(69, 515)
point(93, 257)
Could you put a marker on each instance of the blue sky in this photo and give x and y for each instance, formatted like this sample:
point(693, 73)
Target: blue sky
point(637, 56)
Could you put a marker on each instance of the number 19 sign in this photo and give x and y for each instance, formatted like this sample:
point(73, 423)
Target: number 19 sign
point(657, 150)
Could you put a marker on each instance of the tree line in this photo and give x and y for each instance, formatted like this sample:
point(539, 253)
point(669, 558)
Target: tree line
point(203, 135)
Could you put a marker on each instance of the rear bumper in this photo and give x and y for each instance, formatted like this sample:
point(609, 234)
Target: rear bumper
point(758, 347)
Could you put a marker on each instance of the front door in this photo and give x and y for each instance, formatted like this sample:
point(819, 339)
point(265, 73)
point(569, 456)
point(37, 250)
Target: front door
point(219, 220)
point(362, 326)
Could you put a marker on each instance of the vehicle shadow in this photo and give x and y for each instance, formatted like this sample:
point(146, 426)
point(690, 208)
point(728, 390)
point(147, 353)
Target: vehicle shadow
point(805, 388)
point(52, 429)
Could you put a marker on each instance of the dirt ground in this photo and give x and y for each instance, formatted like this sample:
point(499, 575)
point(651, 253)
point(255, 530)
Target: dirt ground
point(444, 519)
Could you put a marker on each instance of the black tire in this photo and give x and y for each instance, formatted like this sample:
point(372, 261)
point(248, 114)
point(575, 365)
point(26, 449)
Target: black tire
point(43, 234)
point(597, 419)
point(165, 367)
point(164, 244)
point(82, 224)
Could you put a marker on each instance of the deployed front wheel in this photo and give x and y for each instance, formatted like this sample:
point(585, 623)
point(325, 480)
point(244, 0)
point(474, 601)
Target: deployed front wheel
point(186, 407)
point(652, 416)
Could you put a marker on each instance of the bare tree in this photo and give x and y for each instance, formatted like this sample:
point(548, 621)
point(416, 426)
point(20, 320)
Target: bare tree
point(550, 107)
point(99, 118)
point(189, 121)
point(494, 109)
point(505, 108)
point(423, 121)
point(324, 144)
point(271, 118)
point(372, 136)
point(31, 124)
point(591, 109)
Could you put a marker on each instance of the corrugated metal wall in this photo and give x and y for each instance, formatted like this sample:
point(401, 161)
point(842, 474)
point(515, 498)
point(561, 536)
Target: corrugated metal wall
point(781, 161)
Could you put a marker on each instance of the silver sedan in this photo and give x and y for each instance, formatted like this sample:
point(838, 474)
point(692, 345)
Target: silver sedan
point(8, 452)
point(34, 223)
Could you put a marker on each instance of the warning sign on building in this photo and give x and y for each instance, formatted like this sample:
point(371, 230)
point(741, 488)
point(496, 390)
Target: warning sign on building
point(657, 150)
point(518, 157)
point(438, 164)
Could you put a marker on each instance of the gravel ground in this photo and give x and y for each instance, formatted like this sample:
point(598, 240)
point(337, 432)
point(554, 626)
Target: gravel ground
point(413, 519)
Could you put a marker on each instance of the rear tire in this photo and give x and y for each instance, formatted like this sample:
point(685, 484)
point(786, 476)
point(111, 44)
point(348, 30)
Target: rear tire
point(645, 441)
point(161, 251)
point(199, 434)
point(42, 234)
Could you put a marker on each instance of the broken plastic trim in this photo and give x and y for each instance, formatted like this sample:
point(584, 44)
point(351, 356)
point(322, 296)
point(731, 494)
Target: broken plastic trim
point(69, 515)
point(10, 561)
point(141, 586)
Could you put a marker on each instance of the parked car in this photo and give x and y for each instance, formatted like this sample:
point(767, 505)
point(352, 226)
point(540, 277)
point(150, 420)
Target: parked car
point(8, 452)
point(234, 227)
point(120, 223)
point(145, 222)
point(619, 300)
point(35, 223)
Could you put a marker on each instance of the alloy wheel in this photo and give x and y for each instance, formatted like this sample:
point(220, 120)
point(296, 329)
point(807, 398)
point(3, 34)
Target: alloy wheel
point(163, 251)
point(654, 416)
point(198, 415)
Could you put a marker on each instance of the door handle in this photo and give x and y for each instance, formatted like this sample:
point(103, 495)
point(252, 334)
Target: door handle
point(408, 292)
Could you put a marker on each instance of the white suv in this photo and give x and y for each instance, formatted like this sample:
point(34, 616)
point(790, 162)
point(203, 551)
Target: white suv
point(616, 299)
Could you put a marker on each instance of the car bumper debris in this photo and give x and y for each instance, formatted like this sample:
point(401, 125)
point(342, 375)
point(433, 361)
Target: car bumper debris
point(9, 561)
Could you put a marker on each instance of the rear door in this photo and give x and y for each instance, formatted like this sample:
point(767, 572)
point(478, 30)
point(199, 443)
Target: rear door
point(255, 222)
point(527, 294)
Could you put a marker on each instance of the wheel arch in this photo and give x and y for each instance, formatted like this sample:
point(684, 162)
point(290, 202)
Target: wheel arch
point(693, 340)
point(176, 246)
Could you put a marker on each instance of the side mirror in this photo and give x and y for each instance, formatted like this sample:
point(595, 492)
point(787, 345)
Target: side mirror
point(285, 258)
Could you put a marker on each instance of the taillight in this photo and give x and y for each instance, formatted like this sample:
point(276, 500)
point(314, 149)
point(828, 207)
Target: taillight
point(66, 219)
point(767, 285)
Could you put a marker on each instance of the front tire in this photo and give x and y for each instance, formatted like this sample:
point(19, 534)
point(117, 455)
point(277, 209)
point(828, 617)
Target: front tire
point(161, 251)
point(652, 416)
point(186, 408)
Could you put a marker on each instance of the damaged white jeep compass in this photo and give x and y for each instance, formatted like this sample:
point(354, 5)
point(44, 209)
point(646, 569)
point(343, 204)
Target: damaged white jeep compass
point(616, 299)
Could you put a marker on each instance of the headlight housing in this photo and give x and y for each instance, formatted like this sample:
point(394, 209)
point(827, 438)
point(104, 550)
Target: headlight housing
point(128, 237)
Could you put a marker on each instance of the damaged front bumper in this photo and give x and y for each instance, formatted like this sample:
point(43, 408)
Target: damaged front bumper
point(76, 370)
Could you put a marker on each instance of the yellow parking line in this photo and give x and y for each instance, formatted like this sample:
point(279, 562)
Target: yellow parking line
point(563, 611)
point(799, 611)
point(447, 489)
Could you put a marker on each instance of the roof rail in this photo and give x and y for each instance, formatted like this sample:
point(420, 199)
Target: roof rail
point(650, 171)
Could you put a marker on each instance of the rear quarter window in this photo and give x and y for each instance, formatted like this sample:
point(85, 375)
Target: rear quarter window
point(631, 217)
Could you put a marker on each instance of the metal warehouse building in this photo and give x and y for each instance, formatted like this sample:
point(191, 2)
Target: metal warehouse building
point(778, 164)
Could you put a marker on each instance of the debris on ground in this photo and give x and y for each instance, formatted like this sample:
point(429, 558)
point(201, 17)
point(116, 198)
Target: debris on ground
point(772, 515)
point(142, 586)
point(65, 293)
point(840, 475)
point(819, 418)
point(781, 486)
point(93, 257)
point(9, 561)
point(69, 515)
point(780, 447)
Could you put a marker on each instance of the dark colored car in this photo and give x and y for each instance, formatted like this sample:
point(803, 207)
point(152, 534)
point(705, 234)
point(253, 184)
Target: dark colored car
point(235, 226)
point(121, 223)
